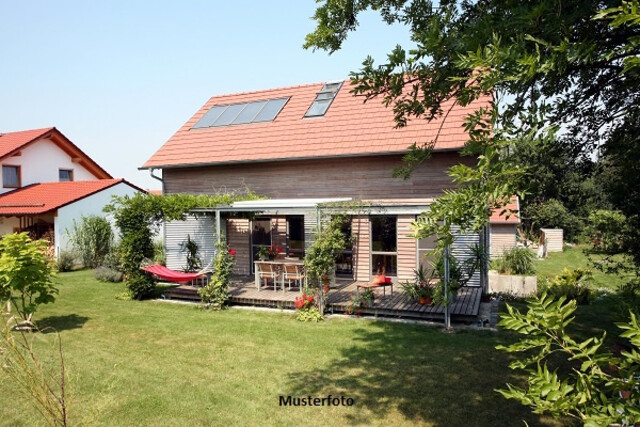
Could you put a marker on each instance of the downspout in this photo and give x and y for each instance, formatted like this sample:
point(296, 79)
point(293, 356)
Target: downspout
point(156, 177)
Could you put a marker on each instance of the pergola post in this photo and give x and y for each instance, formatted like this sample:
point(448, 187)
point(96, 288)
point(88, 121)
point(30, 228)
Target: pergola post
point(447, 310)
point(218, 237)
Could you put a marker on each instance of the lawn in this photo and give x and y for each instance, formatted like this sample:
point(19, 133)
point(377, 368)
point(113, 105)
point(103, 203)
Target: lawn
point(155, 363)
point(574, 257)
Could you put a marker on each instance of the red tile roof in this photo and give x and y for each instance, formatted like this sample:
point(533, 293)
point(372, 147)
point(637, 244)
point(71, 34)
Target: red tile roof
point(12, 142)
point(46, 197)
point(350, 127)
point(509, 214)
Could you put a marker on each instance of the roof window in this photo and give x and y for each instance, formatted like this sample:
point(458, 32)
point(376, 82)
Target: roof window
point(243, 113)
point(323, 100)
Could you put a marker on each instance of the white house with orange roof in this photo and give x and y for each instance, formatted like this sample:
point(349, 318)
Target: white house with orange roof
point(47, 183)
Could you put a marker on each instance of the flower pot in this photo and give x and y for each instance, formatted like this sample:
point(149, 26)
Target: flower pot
point(426, 300)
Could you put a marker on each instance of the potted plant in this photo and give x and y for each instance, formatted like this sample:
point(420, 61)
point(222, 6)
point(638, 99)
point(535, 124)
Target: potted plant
point(273, 251)
point(263, 254)
point(368, 297)
point(425, 292)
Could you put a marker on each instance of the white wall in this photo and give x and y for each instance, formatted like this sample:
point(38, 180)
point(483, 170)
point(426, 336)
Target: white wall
point(41, 161)
point(8, 224)
point(91, 205)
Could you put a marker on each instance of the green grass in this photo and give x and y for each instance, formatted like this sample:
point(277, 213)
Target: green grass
point(574, 257)
point(154, 363)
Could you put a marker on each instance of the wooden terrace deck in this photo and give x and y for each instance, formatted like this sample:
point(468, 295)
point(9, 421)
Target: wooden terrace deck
point(243, 291)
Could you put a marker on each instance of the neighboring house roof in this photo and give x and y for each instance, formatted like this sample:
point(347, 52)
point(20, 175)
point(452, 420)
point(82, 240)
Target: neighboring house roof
point(350, 127)
point(11, 143)
point(155, 192)
point(508, 214)
point(42, 198)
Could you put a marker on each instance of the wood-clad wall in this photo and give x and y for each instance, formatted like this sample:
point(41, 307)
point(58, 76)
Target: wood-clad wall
point(238, 238)
point(358, 177)
point(360, 229)
point(407, 248)
point(503, 237)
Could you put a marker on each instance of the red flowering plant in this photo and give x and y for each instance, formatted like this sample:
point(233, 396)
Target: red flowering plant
point(232, 252)
point(274, 250)
point(304, 302)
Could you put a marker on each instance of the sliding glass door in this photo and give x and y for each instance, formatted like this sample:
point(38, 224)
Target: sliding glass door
point(260, 237)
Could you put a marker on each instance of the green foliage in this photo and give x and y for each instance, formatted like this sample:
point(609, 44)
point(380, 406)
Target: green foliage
point(570, 284)
point(194, 263)
point(32, 375)
point(607, 230)
point(551, 214)
point(518, 261)
point(459, 273)
point(92, 239)
point(65, 261)
point(112, 260)
point(159, 256)
point(590, 391)
point(138, 217)
point(140, 286)
point(216, 293)
point(106, 274)
point(421, 286)
point(546, 63)
point(311, 314)
point(25, 274)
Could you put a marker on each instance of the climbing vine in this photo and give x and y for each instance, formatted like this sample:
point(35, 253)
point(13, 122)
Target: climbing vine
point(138, 218)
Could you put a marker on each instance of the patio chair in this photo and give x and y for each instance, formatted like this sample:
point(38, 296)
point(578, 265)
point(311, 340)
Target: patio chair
point(266, 272)
point(293, 273)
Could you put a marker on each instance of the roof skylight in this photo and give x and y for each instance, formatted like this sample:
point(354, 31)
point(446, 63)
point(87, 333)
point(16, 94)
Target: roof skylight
point(323, 100)
point(238, 114)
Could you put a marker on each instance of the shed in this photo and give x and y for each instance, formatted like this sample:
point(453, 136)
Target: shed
point(554, 239)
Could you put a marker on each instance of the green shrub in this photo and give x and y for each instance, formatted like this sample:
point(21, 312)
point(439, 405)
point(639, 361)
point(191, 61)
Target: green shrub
point(216, 293)
point(159, 256)
point(141, 286)
point(106, 274)
point(112, 259)
point(553, 214)
point(311, 314)
point(25, 274)
point(92, 239)
point(517, 261)
point(606, 230)
point(571, 284)
point(65, 261)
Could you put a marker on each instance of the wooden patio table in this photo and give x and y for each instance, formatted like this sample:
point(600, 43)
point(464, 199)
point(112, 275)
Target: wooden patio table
point(279, 264)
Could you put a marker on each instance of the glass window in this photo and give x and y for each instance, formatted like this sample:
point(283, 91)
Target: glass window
point(260, 237)
point(384, 264)
point(344, 261)
point(319, 108)
point(295, 236)
point(425, 259)
point(384, 236)
point(65, 175)
point(11, 176)
point(384, 244)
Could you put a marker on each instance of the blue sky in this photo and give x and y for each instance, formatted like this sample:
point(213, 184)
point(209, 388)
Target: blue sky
point(120, 77)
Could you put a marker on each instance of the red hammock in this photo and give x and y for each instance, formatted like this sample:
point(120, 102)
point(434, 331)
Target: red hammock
point(170, 275)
